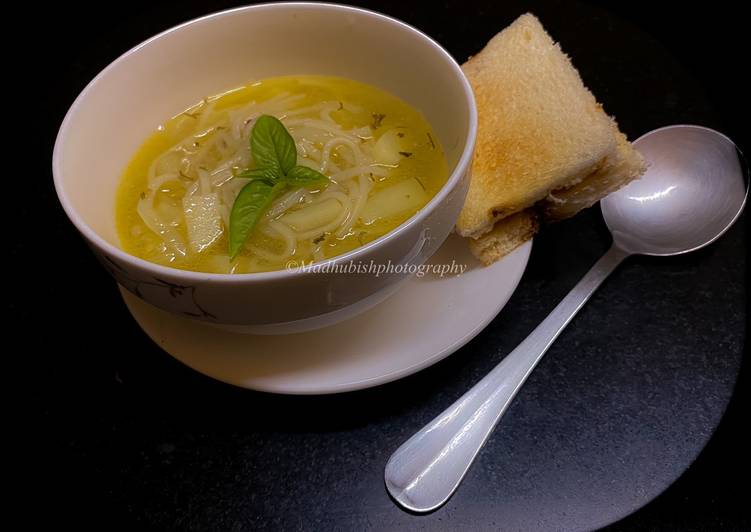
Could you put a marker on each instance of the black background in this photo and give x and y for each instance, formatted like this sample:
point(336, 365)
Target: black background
point(124, 436)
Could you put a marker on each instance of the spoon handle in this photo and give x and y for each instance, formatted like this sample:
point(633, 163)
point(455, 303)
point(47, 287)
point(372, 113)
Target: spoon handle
point(423, 473)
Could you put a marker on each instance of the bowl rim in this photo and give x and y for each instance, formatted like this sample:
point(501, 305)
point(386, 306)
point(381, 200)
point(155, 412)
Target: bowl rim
point(159, 270)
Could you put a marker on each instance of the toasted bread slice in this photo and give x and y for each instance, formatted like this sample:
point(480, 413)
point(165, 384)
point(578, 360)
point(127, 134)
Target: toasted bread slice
point(507, 235)
point(545, 148)
point(540, 129)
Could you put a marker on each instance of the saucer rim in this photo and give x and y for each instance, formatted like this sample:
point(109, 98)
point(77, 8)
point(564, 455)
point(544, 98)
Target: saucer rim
point(131, 302)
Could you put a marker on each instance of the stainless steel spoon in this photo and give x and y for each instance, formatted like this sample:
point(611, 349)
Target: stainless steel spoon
point(693, 191)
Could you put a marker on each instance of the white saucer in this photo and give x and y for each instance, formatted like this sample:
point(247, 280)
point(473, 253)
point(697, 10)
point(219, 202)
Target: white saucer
point(426, 320)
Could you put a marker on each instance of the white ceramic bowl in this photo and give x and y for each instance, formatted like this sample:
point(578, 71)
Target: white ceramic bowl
point(166, 74)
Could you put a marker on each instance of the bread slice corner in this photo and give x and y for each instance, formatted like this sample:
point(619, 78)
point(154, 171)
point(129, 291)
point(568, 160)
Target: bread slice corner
point(507, 235)
point(618, 169)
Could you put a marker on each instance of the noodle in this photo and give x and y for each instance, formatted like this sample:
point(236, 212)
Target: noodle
point(290, 239)
point(363, 186)
point(285, 202)
point(359, 158)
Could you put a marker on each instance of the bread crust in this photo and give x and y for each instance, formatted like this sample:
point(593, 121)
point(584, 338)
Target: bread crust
point(507, 235)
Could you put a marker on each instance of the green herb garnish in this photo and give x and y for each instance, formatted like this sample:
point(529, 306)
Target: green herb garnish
point(302, 176)
point(272, 145)
point(251, 202)
point(275, 157)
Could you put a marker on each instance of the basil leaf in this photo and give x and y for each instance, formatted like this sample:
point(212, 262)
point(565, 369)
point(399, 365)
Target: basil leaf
point(253, 199)
point(302, 176)
point(271, 174)
point(271, 145)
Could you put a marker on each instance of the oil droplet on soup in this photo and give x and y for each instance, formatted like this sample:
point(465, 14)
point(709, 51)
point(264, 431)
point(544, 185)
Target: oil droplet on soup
point(176, 194)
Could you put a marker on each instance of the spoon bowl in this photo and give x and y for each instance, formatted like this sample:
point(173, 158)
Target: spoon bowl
point(692, 192)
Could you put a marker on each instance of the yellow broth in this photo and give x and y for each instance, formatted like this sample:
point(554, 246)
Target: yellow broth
point(400, 187)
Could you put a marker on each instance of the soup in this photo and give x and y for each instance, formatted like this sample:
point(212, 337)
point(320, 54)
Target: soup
point(178, 200)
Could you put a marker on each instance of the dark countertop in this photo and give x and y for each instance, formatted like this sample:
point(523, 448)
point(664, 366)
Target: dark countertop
point(124, 436)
